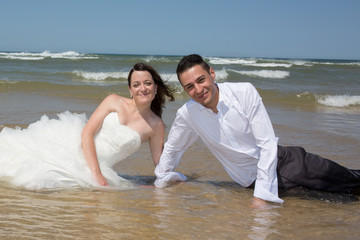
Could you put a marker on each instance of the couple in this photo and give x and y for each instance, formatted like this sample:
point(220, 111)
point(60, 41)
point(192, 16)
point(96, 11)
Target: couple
point(229, 118)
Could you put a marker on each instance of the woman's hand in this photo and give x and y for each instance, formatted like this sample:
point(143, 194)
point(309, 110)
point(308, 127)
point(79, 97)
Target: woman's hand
point(100, 179)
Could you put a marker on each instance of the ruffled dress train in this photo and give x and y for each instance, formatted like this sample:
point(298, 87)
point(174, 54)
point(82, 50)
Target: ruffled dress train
point(48, 153)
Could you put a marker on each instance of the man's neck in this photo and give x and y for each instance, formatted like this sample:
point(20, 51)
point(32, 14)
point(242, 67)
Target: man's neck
point(216, 102)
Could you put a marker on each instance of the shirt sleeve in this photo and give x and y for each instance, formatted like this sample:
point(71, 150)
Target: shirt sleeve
point(180, 137)
point(266, 185)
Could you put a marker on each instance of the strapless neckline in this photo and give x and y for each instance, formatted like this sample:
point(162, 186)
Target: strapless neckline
point(116, 116)
point(115, 141)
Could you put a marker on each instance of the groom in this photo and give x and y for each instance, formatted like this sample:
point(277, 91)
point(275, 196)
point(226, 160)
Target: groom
point(231, 120)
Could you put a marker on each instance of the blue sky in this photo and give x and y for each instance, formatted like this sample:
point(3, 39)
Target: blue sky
point(284, 29)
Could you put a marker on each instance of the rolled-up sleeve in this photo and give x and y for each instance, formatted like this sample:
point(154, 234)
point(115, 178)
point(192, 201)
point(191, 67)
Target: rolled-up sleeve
point(180, 137)
point(266, 186)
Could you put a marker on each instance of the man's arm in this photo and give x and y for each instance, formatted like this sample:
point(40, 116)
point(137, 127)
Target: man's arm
point(266, 185)
point(181, 136)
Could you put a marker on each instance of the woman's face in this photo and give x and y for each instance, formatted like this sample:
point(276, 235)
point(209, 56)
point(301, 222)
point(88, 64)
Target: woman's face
point(142, 87)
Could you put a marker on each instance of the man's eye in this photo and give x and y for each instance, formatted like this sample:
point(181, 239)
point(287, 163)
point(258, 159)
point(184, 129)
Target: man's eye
point(188, 88)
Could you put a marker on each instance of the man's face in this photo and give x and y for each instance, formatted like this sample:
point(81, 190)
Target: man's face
point(200, 85)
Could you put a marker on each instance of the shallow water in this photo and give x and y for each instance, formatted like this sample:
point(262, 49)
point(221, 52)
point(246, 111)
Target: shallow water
point(209, 206)
point(199, 209)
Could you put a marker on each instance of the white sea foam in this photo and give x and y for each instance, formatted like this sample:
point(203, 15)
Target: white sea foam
point(301, 63)
point(43, 55)
point(254, 62)
point(345, 64)
point(352, 64)
point(156, 59)
point(224, 61)
point(338, 100)
point(100, 76)
point(21, 56)
point(221, 75)
point(304, 94)
point(285, 65)
point(169, 77)
point(265, 73)
point(336, 63)
point(308, 63)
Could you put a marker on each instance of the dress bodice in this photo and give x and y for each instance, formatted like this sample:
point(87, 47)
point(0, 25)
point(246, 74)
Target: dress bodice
point(115, 141)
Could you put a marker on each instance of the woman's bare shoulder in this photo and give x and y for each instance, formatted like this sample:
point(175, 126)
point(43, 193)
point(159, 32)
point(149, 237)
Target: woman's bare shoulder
point(156, 122)
point(115, 97)
point(116, 100)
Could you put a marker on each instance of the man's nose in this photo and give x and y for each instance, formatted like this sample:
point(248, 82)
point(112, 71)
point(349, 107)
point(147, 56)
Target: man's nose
point(197, 88)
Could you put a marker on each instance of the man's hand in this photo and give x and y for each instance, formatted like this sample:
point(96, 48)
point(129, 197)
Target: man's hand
point(259, 203)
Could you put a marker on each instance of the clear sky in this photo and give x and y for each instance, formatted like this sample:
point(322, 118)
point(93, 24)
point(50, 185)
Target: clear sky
point(251, 28)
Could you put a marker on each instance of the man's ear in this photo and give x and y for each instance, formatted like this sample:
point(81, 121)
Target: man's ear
point(212, 73)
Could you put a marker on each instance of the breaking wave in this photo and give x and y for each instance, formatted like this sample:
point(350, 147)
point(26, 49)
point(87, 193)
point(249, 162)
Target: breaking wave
point(265, 73)
point(338, 100)
point(100, 76)
point(225, 61)
point(103, 76)
point(46, 54)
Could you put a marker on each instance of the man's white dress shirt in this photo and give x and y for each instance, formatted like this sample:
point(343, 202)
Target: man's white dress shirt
point(240, 136)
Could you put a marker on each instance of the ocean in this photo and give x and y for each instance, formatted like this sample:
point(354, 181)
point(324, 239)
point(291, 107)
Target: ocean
point(313, 103)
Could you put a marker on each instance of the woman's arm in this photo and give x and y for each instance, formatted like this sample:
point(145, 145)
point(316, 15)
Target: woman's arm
point(87, 137)
point(156, 143)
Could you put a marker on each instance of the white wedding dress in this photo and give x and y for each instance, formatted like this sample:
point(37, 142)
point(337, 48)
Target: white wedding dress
point(48, 153)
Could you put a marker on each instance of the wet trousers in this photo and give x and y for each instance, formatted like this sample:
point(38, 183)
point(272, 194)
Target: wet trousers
point(296, 167)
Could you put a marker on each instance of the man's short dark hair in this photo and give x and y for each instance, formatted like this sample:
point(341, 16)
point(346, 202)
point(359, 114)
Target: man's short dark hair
point(190, 61)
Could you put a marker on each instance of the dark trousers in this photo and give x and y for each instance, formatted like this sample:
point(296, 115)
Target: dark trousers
point(296, 167)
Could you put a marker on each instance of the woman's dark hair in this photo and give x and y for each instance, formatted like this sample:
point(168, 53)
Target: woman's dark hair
point(190, 61)
point(163, 89)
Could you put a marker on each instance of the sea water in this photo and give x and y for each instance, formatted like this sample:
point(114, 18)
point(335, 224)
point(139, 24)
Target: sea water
point(312, 103)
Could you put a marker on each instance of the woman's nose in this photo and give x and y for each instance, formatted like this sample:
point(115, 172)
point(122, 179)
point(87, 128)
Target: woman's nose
point(142, 87)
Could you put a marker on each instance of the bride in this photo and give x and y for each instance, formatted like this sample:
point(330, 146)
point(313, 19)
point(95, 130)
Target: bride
point(73, 151)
